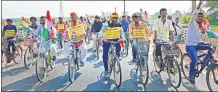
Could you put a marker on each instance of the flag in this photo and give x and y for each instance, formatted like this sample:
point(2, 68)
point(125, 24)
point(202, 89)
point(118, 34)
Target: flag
point(25, 25)
point(50, 28)
point(212, 34)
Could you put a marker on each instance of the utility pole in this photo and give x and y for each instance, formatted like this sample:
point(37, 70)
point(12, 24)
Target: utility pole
point(115, 9)
point(193, 5)
point(61, 9)
point(124, 7)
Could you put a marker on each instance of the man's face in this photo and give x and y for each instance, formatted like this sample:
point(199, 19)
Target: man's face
point(97, 19)
point(128, 18)
point(163, 15)
point(9, 22)
point(81, 19)
point(73, 18)
point(102, 19)
point(124, 18)
point(199, 18)
point(177, 20)
point(114, 19)
point(60, 20)
point(135, 19)
point(33, 21)
point(42, 20)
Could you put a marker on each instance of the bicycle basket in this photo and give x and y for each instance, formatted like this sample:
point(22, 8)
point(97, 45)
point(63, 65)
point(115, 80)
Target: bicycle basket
point(5, 45)
point(28, 42)
point(143, 47)
point(168, 49)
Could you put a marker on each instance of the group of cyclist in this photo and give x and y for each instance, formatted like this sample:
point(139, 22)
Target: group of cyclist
point(164, 29)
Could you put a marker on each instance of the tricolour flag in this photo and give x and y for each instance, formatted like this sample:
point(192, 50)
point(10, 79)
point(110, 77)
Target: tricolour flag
point(212, 34)
point(50, 28)
point(25, 25)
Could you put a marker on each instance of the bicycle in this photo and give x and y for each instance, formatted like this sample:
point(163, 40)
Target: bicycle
point(97, 44)
point(172, 63)
point(142, 64)
point(114, 63)
point(7, 55)
point(44, 58)
point(185, 62)
point(30, 53)
point(73, 65)
point(127, 44)
point(214, 69)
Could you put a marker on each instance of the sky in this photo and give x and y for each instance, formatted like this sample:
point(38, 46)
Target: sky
point(17, 9)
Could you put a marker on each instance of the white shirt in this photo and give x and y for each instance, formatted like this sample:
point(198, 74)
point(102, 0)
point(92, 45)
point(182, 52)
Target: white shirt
point(163, 30)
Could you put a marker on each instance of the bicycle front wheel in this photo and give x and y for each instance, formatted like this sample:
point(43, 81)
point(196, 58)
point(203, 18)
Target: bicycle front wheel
point(174, 72)
point(178, 52)
point(18, 54)
point(185, 65)
point(71, 69)
point(4, 60)
point(212, 77)
point(117, 72)
point(41, 69)
point(28, 58)
point(144, 72)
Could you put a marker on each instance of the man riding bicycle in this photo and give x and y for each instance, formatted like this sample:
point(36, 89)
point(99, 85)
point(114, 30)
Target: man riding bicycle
point(136, 24)
point(163, 31)
point(193, 41)
point(60, 26)
point(125, 24)
point(96, 27)
point(9, 33)
point(113, 24)
point(72, 25)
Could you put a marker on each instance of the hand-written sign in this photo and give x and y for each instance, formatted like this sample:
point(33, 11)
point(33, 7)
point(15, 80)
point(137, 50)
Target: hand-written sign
point(79, 30)
point(10, 33)
point(60, 26)
point(139, 34)
point(112, 33)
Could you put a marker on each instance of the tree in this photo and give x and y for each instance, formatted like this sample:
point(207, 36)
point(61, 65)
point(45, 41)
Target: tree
point(155, 16)
point(212, 5)
point(213, 17)
point(177, 13)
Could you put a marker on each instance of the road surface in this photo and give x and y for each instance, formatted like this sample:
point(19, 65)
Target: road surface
point(89, 78)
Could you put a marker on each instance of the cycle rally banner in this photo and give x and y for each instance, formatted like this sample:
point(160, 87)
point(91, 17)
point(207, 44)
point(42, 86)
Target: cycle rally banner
point(112, 33)
point(139, 34)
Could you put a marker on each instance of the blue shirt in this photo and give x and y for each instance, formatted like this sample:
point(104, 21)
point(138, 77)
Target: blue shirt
point(39, 30)
point(11, 28)
point(125, 25)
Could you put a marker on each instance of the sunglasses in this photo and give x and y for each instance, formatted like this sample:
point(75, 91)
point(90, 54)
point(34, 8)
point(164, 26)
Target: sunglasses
point(114, 17)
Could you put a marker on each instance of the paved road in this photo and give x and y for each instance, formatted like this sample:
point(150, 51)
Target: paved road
point(89, 78)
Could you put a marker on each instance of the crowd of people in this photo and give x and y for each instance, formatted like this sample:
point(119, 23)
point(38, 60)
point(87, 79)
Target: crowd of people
point(163, 29)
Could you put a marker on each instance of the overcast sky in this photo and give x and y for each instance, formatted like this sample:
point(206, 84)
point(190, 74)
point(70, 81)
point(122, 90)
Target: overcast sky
point(17, 9)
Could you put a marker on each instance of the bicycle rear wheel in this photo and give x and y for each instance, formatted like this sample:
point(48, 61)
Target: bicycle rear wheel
point(18, 54)
point(117, 72)
point(71, 69)
point(144, 72)
point(212, 77)
point(41, 68)
point(28, 58)
point(174, 76)
point(4, 60)
point(185, 65)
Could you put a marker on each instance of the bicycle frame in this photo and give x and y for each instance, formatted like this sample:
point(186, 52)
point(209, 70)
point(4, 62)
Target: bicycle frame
point(206, 62)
